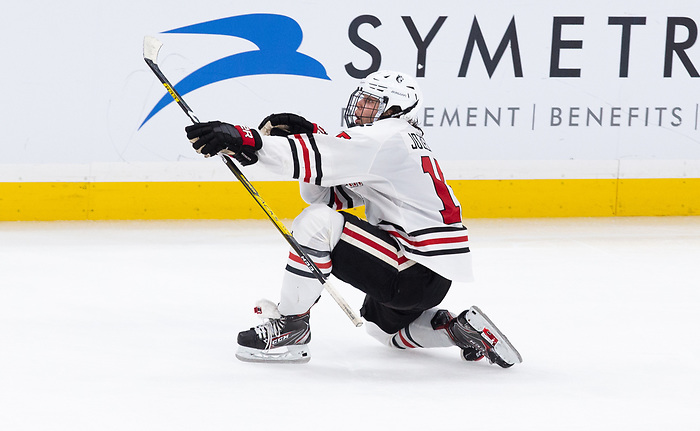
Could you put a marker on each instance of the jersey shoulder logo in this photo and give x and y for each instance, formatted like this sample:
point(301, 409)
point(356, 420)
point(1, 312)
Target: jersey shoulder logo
point(277, 37)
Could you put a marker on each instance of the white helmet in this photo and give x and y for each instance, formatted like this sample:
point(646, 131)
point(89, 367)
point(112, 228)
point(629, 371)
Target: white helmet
point(393, 90)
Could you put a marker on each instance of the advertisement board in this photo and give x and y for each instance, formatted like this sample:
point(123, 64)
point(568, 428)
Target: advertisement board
point(514, 90)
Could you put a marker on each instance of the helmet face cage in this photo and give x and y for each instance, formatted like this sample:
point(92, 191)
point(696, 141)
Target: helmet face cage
point(369, 116)
point(393, 90)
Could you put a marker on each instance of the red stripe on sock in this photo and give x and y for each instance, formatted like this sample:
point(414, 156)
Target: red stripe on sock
point(298, 259)
point(405, 341)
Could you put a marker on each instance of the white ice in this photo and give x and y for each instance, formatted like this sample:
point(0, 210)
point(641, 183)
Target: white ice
point(132, 325)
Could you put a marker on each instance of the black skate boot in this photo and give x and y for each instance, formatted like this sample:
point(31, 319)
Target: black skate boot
point(283, 340)
point(442, 320)
point(477, 336)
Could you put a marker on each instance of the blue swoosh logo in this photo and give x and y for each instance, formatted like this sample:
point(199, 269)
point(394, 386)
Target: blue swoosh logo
point(277, 37)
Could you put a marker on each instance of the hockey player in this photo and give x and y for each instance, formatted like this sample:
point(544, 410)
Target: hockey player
point(406, 253)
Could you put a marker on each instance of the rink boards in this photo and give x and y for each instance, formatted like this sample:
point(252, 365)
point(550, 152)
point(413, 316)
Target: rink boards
point(141, 200)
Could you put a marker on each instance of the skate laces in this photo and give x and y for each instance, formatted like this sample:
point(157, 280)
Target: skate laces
point(269, 330)
point(273, 321)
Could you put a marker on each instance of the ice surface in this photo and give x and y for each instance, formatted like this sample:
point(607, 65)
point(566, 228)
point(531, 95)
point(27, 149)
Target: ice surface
point(132, 325)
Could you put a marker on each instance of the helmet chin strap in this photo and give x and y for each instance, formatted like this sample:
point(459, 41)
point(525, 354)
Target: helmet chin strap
point(399, 113)
point(409, 109)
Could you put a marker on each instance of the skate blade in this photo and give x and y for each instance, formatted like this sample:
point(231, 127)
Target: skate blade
point(280, 355)
point(490, 332)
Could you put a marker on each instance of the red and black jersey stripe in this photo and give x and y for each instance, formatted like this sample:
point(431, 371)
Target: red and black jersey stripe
point(339, 199)
point(436, 241)
point(307, 160)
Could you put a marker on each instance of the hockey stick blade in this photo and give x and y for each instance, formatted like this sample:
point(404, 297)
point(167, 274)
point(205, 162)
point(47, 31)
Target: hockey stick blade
point(151, 47)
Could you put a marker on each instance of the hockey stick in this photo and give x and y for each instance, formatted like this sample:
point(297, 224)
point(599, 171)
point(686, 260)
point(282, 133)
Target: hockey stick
point(151, 46)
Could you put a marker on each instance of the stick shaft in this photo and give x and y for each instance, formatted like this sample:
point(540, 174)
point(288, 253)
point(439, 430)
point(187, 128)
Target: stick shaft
point(268, 211)
point(293, 242)
point(180, 101)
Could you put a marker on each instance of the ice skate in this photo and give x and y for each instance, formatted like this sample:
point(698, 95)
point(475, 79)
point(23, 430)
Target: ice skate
point(477, 336)
point(281, 339)
point(443, 319)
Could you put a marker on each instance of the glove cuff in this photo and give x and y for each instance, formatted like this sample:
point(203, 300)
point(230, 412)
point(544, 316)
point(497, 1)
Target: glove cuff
point(250, 137)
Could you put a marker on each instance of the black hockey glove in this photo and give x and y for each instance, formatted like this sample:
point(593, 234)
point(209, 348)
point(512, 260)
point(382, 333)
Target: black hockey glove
point(288, 124)
point(214, 137)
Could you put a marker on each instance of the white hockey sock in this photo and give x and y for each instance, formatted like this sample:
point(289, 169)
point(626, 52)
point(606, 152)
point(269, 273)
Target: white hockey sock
point(298, 294)
point(419, 333)
point(317, 229)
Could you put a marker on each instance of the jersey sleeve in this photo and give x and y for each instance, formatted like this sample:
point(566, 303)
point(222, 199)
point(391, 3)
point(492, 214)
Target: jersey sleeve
point(319, 160)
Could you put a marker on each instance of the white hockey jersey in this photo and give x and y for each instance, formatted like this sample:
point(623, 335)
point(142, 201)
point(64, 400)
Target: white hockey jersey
point(389, 168)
